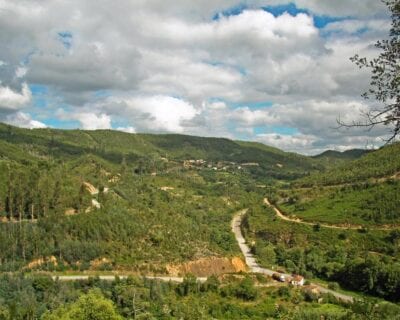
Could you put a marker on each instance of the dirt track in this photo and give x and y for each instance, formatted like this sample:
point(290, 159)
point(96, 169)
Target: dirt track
point(324, 225)
point(256, 268)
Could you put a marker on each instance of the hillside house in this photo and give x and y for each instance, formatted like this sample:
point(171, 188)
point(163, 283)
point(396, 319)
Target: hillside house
point(297, 280)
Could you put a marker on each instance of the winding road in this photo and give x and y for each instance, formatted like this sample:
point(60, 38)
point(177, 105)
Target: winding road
point(250, 259)
point(254, 267)
point(280, 215)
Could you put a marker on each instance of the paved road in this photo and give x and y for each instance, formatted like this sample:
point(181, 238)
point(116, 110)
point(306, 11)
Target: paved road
point(112, 278)
point(256, 268)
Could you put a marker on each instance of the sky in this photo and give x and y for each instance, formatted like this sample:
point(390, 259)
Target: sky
point(271, 71)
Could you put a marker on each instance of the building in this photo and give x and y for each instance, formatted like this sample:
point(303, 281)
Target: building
point(297, 280)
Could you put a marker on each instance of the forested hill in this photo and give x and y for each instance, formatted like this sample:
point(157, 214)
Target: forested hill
point(382, 163)
point(332, 158)
point(25, 145)
point(71, 198)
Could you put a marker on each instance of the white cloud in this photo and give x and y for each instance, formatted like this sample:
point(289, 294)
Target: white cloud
point(151, 113)
point(11, 100)
point(24, 120)
point(21, 72)
point(299, 143)
point(92, 121)
point(155, 65)
point(127, 129)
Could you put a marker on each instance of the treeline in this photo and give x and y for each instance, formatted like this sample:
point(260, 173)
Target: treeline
point(39, 297)
point(34, 191)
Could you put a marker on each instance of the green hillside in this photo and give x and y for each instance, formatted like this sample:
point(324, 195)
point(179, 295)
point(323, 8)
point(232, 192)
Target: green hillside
point(141, 201)
point(115, 146)
point(331, 158)
point(342, 224)
point(361, 192)
point(96, 201)
point(351, 154)
point(365, 204)
point(384, 162)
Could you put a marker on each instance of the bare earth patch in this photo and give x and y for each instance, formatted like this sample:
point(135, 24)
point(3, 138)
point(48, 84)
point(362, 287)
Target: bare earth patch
point(207, 266)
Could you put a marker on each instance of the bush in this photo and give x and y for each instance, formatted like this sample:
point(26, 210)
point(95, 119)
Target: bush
point(333, 286)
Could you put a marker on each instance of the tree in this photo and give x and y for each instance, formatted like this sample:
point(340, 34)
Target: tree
point(385, 79)
point(91, 306)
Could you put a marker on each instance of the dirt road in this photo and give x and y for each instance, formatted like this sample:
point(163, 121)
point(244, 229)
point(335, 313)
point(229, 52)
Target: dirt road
point(280, 215)
point(256, 268)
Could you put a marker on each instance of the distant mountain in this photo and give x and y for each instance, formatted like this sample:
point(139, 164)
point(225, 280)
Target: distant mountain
point(383, 162)
point(30, 145)
point(351, 154)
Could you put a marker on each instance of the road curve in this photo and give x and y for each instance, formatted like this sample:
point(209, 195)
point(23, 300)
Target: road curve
point(286, 218)
point(253, 266)
point(251, 261)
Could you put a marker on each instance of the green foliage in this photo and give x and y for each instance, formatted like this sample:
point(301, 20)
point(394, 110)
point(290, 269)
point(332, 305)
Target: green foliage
point(380, 163)
point(366, 262)
point(135, 298)
point(360, 204)
point(91, 306)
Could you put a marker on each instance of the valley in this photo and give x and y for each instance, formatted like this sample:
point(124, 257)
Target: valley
point(87, 206)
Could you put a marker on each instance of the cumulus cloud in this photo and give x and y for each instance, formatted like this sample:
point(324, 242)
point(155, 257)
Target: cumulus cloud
point(11, 100)
point(92, 121)
point(149, 65)
point(127, 129)
point(89, 119)
point(24, 120)
point(298, 143)
point(151, 113)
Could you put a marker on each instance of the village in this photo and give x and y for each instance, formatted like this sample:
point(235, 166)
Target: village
point(216, 165)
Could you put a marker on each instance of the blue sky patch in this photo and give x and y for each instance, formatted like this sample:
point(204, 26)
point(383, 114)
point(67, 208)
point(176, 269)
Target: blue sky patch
point(251, 105)
point(238, 68)
point(319, 21)
point(102, 94)
point(275, 129)
point(38, 89)
point(62, 124)
point(290, 8)
point(39, 95)
point(66, 38)
point(285, 130)
point(234, 11)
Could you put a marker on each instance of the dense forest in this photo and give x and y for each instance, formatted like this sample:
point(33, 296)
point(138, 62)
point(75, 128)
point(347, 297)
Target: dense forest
point(104, 201)
point(234, 297)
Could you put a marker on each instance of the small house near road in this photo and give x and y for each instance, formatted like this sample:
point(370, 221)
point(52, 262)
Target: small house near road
point(297, 280)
